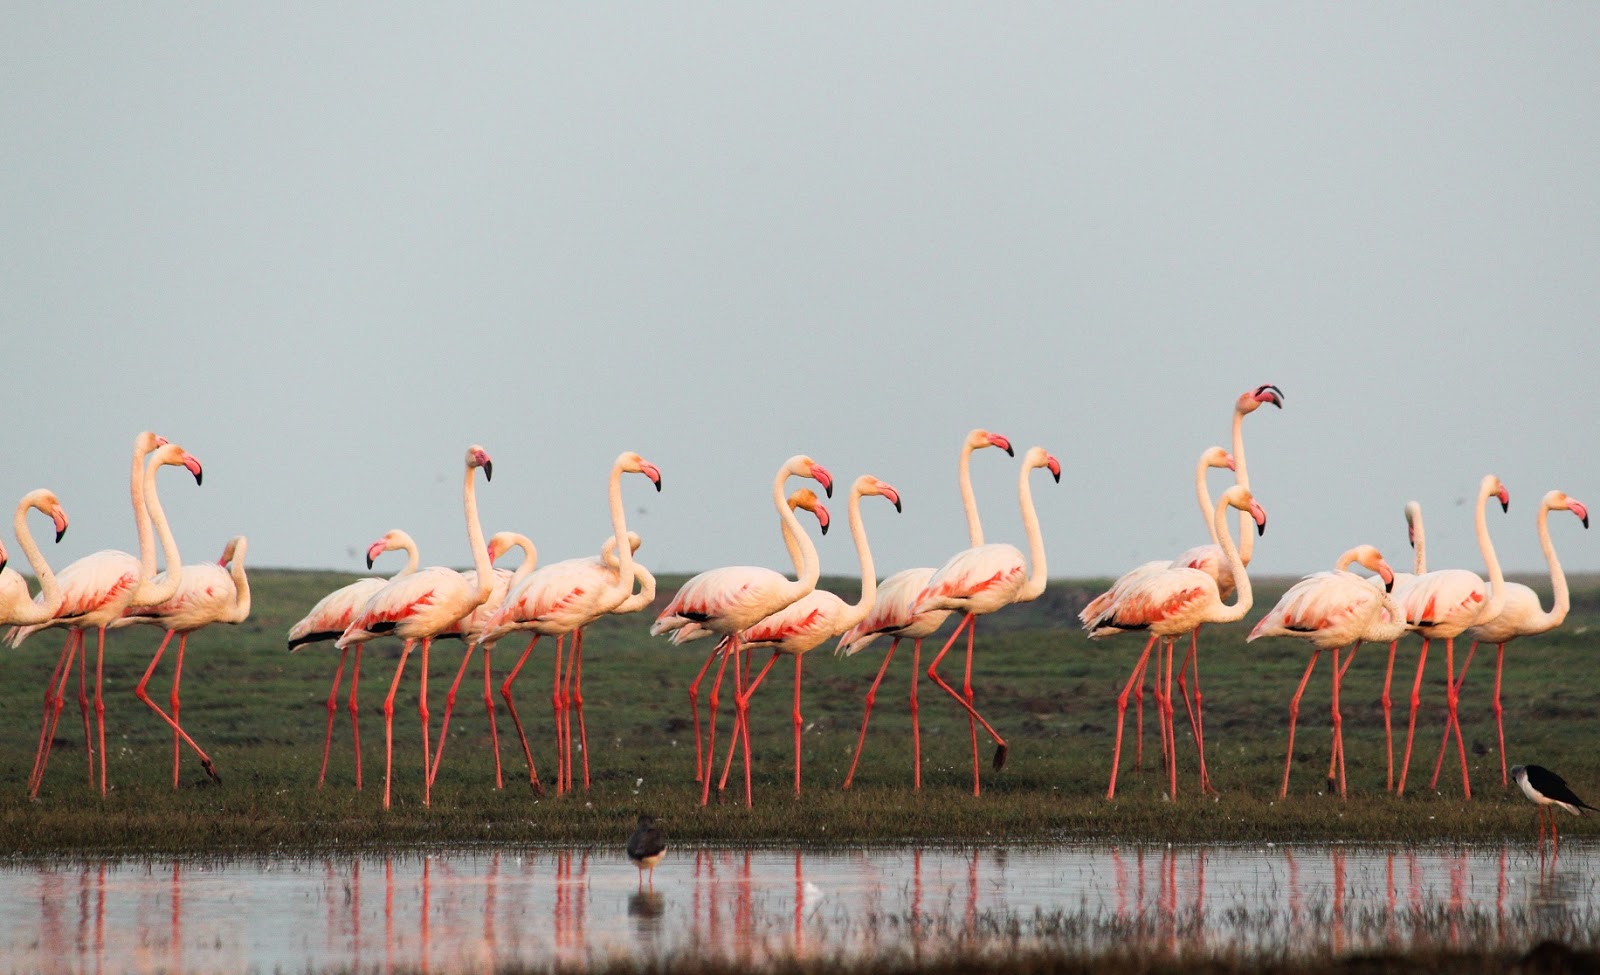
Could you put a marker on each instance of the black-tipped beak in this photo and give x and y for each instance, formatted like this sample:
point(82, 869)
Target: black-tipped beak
point(897, 505)
point(369, 562)
point(488, 470)
point(1261, 529)
point(1585, 521)
point(824, 527)
point(1389, 586)
point(658, 484)
point(3, 563)
point(63, 531)
point(1505, 506)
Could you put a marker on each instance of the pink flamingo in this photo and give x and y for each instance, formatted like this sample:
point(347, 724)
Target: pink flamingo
point(328, 620)
point(1172, 603)
point(892, 614)
point(809, 621)
point(684, 631)
point(1521, 616)
point(1443, 603)
point(559, 599)
point(210, 592)
point(731, 599)
point(473, 630)
point(420, 606)
point(18, 607)
point(981, 580)
point(1211, 457)
point(1332, 610)
point(95, 591)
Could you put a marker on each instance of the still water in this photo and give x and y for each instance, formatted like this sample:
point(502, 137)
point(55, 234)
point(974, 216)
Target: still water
point(458, 911)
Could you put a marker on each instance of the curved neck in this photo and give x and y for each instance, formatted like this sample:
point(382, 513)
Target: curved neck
point(869, 574)
point(1030, 522)
point(148, 594)
point(1497, 581)
point(969, 503)
point(646, 594)
point(792, 544)
point(1242, 597)
point(141, 515)
point(530, 560)
point(241, 585)
point(1247, 535)
point(50, 604)
point(1558, 578)
point(1202, 494)
point(480, 552)
point(619, 527)
point(809, 568)
point(413, 557)
point(1419, 542)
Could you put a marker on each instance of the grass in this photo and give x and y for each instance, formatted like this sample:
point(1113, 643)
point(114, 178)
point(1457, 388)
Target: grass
point(261, 711)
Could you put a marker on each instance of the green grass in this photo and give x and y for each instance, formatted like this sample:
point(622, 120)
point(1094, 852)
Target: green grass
point(260, 712)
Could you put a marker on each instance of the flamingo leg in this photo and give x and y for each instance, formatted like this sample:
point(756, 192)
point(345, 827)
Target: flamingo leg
point(567, 688)
point(702, 761)
point(333, 707)
point(46, 726)
point(577, 701)
point(1388, 733)
point(740, 662)
point(505, 693)
point(743, 705)
point(1122, 711)
point(83, 703)
point(1172, 731)
point(100, 702)
point(711, 730)
point(1338, 719)
point(558, 707)
point(1294, 716)
point(449, 707)
point(1499, 725)
point(388, 721)
point(1138, 707)
point(74, 644)
point(799, 659)
point(1455, 718)
point(422, 712)
point(355, 712)
point(1196, 715)
point(933, 674)
point(1159, 694)
point(972, 714)
point(205, 760)
point(916, 725)
point(488, 705)
point(1336, 755)
point(1452, 690)
point(1416, 699)
point(872, 696)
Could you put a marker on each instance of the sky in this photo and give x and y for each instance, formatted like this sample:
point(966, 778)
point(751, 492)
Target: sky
point(325, 247)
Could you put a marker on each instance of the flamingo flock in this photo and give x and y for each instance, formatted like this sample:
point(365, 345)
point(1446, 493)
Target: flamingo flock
point(751, 607)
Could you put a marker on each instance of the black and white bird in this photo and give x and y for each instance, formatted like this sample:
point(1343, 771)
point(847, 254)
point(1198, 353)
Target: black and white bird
point(1548, 790)
point(646, 847)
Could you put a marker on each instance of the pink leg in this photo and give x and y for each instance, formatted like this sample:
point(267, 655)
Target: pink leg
point(1294, 716)
point(702, 760)
point(933, 675)
point(1455, 718)
point(422, 712)
point(1196, 715)
point(1338, 719)
point(1416, 699)
point(74, 648)
point(1499, 725)
point(83, 704)
point(740, 662)
point(505, 693)
point(100, 703)
point(711, 730)
point(1388, 733)
point(1336, 754)
point(1452, 693)
point(972, 714)
point(333, 707)
point(558, 703)
point(449, 707)
point(1172, 731)
point(577, 702)
point(1138, 707)
point(488, 705)
point(388, 721)
point(872, 696)
point(1122, 710)
point(798, 661)
point(916, 726)
point(51, 706)
point(355, 712)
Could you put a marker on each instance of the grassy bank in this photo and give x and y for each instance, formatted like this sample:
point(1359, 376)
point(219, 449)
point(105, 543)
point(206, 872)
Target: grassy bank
point(261, 712)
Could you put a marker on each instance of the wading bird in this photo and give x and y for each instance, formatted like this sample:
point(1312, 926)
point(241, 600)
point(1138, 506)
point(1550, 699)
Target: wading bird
point(1549, 791)
point(17, 606)
point(646, 847)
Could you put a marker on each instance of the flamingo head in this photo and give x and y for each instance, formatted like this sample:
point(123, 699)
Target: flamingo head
point(1039, 457)
point(1216, 457)
point(983, 438)
point(45, 502)
point(802, 466)
point(1249, 401)
point(173, 455)
point(1413, 519)
point(807, 499)
point(391, 540)
point(1241, 498)
point(499, 544)
point(1371, 558)
point(230, 551)
point(867, 484)
point(1558, 501)
point(146, 442)
point(634, 464)
point(1492, 486)
point(478, 457)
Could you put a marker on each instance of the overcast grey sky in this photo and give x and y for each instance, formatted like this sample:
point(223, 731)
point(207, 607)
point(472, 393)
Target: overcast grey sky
point(326, 247)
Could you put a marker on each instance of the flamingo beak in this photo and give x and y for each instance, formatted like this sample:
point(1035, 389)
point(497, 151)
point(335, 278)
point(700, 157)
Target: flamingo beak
point(374, 550)
point(996, 440)
point(60, 518)
point(1505, 499)
point(488, 469)
point(653, 473)
point(1387, 575)
point(1229, 458)
point(1270, 394)
point(1055, 467)
point(1575, 507)
point(891, 494)
point(1260, 515)
point(822, 477)
point(823, 518)
point(193, 467)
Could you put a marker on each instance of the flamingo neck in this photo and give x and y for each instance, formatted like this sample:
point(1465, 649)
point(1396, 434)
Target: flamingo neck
point(1037, 571)
point(1558, 578)
point(50, 592)
point(530, 560)
point(480, 552)
point(623, 587)
point(141, 515)
point(241, 585)
point(1497, 581)
point(809, 569)
point(1243, 597)
point(148, 593)
point(869, 573)
point(1202, 494)
point(413, 557)
point(969, 502)
point(646, 594)
point(1247, 539)
point(1419, 539)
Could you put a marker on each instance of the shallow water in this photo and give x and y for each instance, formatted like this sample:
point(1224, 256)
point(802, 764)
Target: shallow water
point(467, 911)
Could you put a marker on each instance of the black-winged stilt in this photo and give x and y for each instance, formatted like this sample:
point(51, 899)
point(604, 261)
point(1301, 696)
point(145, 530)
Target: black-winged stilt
point(646, 847)
point(1547, 789)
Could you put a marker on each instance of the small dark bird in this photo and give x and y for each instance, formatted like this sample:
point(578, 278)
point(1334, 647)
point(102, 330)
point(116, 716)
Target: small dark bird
point(646, 847)
point(1548, 789)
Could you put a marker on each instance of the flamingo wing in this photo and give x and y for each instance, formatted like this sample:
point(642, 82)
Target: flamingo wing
point(988, 574)
point(333, 613)
point(799, 626)
point(1167, 600)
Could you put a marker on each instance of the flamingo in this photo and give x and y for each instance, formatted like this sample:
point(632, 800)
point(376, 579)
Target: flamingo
point(979, 581)
point(892, 615)
point(1211, 457)
point(1443, 603)
point(328, 620)
point(733, 598)
point(558, 599)
point(210, 592)
point(1332, 610)
point(420, 606)
point(17, 606)
point(1521, 616)
point(472, 628)
point(1171, 603)
point(95, 591)
point(683, 630)
point(810, 620)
